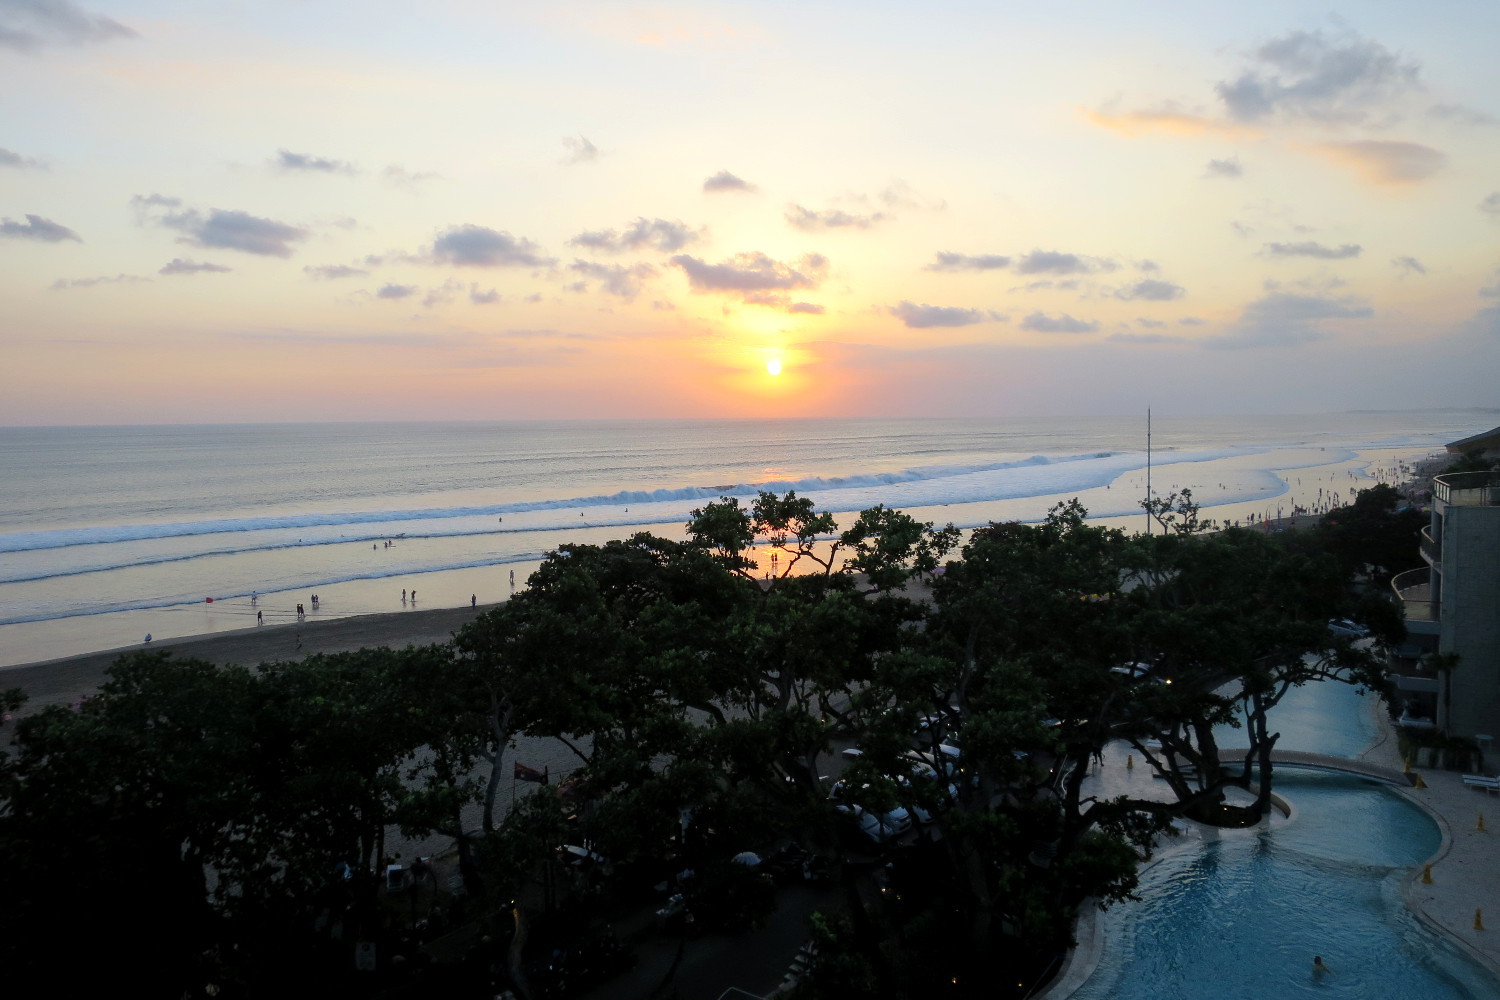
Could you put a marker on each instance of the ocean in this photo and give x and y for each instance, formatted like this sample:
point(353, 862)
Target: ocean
point(110, 533)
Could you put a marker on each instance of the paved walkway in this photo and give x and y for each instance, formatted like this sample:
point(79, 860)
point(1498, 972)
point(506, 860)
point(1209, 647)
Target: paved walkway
point(1466, 868)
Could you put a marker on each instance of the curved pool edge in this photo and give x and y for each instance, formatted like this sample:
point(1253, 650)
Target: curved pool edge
point(1082, 960)
point(1411, 886)
point(1411, 891)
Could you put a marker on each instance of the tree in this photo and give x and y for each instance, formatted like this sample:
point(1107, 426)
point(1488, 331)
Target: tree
point(1376, 536)
point(188, 805)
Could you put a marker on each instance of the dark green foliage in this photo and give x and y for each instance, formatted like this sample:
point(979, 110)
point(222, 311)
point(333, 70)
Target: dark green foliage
point(1377, 535)
point(702, 705)
point(188, 807)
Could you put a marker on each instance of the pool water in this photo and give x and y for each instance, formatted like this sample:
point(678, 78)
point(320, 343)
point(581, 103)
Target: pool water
point(1240, 914)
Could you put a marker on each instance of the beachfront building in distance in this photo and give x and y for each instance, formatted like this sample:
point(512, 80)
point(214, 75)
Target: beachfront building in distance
point(1452, 604)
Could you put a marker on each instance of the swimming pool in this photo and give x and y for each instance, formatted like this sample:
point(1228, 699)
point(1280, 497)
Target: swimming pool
point(1240, 914)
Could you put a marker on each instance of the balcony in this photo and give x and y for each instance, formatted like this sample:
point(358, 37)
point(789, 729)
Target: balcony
point(1414, 590)
point(1432, 549)
point(1468, 489)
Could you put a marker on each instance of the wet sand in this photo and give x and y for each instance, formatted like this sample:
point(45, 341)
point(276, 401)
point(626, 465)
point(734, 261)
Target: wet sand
point(64, 681)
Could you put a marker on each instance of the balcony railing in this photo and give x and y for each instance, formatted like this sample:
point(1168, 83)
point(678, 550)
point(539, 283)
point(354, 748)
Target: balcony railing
point(1414, 590)
point(1468, 489)
point(1431, 548)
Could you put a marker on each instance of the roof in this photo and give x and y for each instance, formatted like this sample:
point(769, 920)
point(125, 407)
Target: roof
point(1486, 441)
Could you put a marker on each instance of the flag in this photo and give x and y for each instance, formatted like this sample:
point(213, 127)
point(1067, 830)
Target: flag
point(521, 772)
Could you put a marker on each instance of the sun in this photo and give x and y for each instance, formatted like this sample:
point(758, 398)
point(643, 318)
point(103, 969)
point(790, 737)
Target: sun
point(773, 366)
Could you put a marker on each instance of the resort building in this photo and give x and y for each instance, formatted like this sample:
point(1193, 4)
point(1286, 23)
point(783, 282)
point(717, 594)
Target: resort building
point(1452, 605)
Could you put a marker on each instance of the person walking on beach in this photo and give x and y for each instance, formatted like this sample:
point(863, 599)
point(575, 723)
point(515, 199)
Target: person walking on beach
point(414, 597)
point(512, 579)
point(260, 617)
point(403, 595)
point(473, 600)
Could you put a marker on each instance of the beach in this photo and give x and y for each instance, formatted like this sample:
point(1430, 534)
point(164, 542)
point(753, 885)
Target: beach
point(107, 536)
point(66, 680)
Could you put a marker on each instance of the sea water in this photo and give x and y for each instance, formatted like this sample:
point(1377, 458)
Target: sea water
point(107, 534)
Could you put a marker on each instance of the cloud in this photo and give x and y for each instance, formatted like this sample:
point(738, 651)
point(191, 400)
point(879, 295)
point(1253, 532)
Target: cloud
point(31, 24)
point(17, 161)
point(954, 262)
point(62, 284)
point(619, 279)
point(444, 294)
point(1042, 323)
point(725, 181)
point(1167, 119)
point(37, 228)
point(922, 317)
point(1457, 114)
point(809, 221)
point(233, 230)
point(580, 150)
point(1071, 285)
point(1283, 319)
point(288, 163)
point(485, 298)
point(1190, 321)
point(752, 272)
point(179, 266)
point(1146, 338)
point(1309, 248)
point(809, 308)
point(330, 272)
point(899, 194)
point(1491, 205)
point(146, 202)
point(1224, 168)
point(1380, 161)
point(655, 234)
point(480, 246)
point(398, 176)
point(1408, 265)
point(1054, 262)
point(1149, 323)
point(1151, 290)
point(1307, 75)
point(391, 290)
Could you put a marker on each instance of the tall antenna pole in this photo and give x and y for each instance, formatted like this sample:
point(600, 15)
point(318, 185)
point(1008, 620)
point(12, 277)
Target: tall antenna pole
point(1148, 469)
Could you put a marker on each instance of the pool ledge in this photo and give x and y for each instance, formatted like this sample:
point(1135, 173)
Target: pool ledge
point(1465, 870)
point(1466, 866)
point(1083, 958)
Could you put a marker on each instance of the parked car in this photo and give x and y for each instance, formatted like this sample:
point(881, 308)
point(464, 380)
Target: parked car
point(878, 826)
point(1140, 672)
point(873, 826)
point(1347, 628)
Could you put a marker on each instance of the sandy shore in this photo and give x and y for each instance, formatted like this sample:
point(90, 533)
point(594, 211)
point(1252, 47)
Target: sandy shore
point(64, 681)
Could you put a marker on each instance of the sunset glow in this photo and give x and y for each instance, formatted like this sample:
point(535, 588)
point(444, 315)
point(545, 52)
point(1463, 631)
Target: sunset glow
point(296, 213)
point(773, 367)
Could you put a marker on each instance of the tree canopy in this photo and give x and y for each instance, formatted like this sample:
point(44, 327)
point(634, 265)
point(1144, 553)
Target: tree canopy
point(703, 700)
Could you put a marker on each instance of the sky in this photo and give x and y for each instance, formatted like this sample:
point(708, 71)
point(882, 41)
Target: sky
point(298, 210)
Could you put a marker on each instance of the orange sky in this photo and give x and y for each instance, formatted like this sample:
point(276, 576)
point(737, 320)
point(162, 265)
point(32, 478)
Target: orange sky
point(346, 212)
